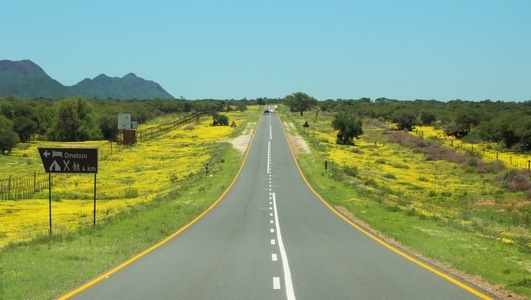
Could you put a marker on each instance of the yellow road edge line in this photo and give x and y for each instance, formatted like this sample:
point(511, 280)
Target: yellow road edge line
point(124, 264)
point(379, 240)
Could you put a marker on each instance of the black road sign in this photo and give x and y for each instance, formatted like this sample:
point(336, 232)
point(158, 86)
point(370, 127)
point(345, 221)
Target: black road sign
point(70, 160)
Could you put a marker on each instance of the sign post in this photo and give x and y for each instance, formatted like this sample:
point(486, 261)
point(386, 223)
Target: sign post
point(69, 160)
point(50, 200)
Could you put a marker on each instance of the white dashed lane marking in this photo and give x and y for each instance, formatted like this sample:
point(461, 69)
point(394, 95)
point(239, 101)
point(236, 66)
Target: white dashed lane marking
point(276, 283)
point(290, 293)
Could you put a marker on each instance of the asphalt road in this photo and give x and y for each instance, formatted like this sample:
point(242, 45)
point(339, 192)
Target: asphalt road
point(270, 237)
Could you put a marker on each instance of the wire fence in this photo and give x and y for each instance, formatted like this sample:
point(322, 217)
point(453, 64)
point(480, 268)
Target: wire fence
point(520, 161)
point(24, 187)
point(19, 187)
point(156, 131)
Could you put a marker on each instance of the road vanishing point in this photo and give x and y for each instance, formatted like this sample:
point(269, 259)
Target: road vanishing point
point(271, 237)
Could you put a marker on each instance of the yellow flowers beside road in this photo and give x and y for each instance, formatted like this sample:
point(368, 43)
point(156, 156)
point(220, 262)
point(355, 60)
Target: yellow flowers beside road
point(402, 178)
point(487, 151)
point(128, 177)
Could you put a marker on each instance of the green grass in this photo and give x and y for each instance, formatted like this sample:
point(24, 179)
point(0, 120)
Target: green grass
point(50, 266)
point(467, 251)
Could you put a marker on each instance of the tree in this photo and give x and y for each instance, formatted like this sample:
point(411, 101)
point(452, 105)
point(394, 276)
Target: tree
point(220, 120)
point(45, 117)
point(404, 119)
point(242, 105)
point(508, 134)
point(108, 124)
point(8, 138)
point(7, 108)
point(521, 128)
point(466, 120)
point(348, 126)
point(327, 105)
point(25, 121)
point(261, 101)
point(74, 121)
point(300, 102)
point(427, 117)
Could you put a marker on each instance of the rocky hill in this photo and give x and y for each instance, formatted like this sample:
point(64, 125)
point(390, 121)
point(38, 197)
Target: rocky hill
point(25, 79)
point(128, 87)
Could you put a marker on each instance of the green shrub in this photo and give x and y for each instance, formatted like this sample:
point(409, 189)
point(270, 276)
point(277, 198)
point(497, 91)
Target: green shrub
point(389, 175)
point(131, 193)
point(173, 177)
point(351, 171)
point(472, 162)
point(380, 161)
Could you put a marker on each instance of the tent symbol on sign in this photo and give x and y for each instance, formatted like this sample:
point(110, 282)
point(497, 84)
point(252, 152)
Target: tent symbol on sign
point(54, 167)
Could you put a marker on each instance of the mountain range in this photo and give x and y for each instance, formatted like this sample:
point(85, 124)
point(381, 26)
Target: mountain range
point(25, 79)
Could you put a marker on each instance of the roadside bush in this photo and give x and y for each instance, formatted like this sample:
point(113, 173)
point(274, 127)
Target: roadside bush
point(515, 180)
point(406, 139)
point(490, 167)
point(520, 181)
point(389, 176)
point(423, 178)
point(351, 171)
point(173, 177)
point(131, 193)
point(436, 152)
point(472, 162)
point(220, 120)
point(356, 150)
point(380, 161)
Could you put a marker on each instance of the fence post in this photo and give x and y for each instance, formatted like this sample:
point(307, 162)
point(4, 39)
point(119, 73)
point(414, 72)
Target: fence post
point(16, 188)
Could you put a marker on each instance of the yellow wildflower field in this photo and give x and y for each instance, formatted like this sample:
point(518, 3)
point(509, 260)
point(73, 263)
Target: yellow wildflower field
point(128, 177)
point(516, 160)
point(405, 179)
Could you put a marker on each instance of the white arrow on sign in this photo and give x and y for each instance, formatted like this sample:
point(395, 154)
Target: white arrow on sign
point(46, 153)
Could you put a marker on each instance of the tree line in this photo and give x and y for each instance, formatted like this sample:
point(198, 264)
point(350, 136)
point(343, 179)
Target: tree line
point(77, 119)
point(506, 123)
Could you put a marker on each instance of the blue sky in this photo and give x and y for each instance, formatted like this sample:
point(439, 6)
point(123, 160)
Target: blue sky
point(231, 49)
